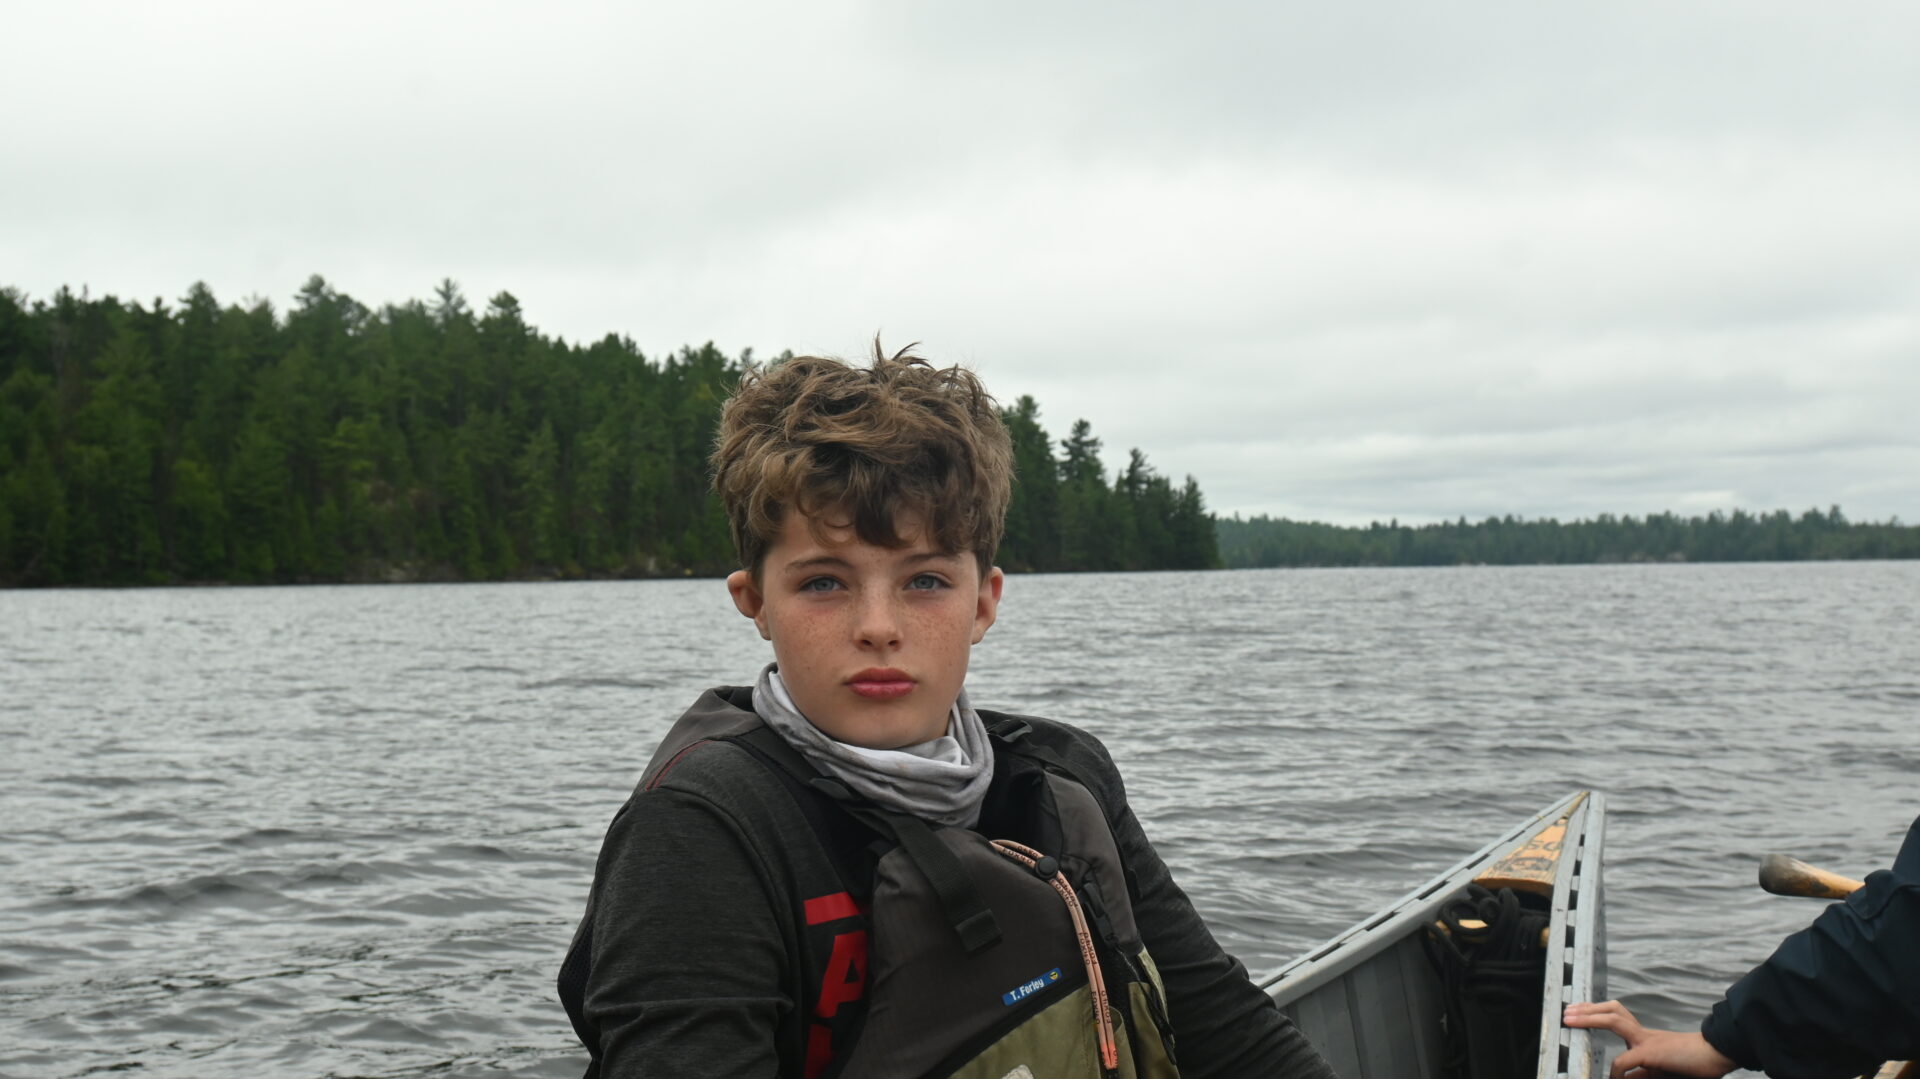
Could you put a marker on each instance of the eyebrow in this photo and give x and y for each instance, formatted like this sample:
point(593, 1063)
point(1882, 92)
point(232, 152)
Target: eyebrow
point(823, 561)
point(828, 561)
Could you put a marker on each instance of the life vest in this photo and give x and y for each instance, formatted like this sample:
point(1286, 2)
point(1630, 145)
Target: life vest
point(941, 952)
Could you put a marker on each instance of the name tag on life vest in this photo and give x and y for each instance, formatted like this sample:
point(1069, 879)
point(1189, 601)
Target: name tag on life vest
point(1016, 995)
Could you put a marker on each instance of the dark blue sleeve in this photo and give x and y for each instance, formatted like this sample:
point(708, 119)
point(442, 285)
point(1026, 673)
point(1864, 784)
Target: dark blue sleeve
point(1840, 996)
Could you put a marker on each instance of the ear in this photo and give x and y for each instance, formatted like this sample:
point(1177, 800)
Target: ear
point(987, 608)
point(749, 600)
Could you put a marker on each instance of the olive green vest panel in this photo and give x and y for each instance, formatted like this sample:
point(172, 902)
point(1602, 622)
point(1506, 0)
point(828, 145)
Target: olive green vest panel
point(1059, 1043)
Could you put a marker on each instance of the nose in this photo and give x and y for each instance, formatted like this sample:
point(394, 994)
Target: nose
point(878, 622)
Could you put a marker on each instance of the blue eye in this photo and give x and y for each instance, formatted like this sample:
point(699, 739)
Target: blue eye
point(819, 584)
point(926, 582)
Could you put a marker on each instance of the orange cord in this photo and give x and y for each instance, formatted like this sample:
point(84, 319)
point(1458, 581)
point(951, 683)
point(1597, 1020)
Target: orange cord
point(1103, 1020)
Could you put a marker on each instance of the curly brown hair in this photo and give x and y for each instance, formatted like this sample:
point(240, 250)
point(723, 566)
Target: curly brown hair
point(864, 446)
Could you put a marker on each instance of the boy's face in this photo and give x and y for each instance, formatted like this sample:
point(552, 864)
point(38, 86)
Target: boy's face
point(872, 641)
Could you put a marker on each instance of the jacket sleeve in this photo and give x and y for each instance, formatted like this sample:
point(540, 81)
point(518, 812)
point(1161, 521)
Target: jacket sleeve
point(1840, 996)
point(1223, 1025)
point(687, 951)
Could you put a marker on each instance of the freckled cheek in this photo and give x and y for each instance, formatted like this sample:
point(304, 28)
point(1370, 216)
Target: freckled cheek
point(946, 635)
point(797, 637)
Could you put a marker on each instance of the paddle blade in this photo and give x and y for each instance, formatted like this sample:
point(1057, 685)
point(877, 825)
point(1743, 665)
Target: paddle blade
point(1782, 875)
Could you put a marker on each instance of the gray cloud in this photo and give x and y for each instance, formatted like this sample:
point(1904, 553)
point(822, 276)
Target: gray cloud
point(1336, 262)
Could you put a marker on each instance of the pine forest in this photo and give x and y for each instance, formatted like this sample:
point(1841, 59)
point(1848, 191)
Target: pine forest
point(190, 442)
point(196, 443)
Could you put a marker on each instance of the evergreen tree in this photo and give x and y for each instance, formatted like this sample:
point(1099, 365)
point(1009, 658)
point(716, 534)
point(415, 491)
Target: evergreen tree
point(116, 444)
point(537, 497)
point(1085, 538)
point(199, 442)
point(1032, 531)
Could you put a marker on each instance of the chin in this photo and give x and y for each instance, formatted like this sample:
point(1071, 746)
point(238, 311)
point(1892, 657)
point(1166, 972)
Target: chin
point(887, 740)
point(894, 735)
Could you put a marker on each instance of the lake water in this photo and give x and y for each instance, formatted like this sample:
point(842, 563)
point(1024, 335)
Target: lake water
point(347, 831)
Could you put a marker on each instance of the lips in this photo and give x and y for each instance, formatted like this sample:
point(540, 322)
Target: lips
point(881, 684)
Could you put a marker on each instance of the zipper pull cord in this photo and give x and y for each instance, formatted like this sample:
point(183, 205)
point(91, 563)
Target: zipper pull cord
point(1047, 869)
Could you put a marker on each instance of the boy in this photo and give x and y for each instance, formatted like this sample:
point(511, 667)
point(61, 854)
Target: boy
point(847, 870)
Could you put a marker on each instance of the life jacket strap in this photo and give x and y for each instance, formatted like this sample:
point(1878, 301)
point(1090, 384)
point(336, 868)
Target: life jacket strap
point(966, 911)
point(1048, 869)
point(969, 915)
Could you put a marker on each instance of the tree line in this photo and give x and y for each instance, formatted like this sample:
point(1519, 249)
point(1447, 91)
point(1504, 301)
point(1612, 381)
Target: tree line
point(1739, 536)
point(201, 442)
point(1066, 516)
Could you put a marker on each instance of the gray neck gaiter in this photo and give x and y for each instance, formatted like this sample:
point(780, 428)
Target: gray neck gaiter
point(942, 781)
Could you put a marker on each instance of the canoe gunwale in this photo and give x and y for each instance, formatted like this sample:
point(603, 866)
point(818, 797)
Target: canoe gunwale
point(1576, 955)
point(1385, 927)
point(1575, 958)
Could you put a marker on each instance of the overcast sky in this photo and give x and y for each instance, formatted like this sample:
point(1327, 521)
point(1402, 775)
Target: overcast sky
point(1339, 262)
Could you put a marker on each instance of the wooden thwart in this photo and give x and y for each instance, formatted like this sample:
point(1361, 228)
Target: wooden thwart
point(1531, 867)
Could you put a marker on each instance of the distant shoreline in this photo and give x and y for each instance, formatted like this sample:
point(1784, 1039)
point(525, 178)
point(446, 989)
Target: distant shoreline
point(1777, 536)
point(557, 578)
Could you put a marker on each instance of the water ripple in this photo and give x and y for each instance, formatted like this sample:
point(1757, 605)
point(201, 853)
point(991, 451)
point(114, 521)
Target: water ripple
point(248, 836)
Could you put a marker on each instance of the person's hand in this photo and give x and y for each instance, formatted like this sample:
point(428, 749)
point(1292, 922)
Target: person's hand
point(1650, 1053)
